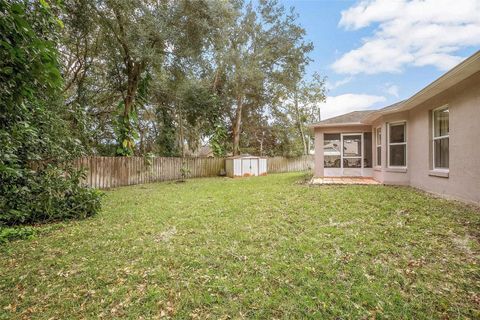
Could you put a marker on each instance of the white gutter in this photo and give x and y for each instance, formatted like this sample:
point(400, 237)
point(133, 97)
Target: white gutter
point(345, 124)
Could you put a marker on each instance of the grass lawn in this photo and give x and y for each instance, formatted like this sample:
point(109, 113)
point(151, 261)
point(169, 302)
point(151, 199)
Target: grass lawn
point(264, 247)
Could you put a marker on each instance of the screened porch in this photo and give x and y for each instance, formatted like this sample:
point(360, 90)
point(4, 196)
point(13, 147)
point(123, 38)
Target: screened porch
point(348, 154)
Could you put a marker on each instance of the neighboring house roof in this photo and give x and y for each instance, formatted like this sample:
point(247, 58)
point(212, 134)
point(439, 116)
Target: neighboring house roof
point(205, 151)
point(462, 71)
point(331, 149)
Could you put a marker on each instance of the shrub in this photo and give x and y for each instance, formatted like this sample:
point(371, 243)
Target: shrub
point(46, 195)
point(35, 141)
point(184, 172)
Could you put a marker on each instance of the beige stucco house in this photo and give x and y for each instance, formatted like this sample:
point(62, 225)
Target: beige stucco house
point(430, 141)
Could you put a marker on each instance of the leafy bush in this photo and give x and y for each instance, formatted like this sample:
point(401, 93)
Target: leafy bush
point(47, 195)
point(219, 140)
point(184, 172)
point(35, 141)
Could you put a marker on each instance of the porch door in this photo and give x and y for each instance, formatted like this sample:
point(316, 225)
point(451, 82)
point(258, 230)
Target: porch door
point(352, 154)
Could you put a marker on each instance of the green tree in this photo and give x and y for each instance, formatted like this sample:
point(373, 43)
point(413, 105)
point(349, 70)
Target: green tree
point(34, 139)
point(303, 106)
point(262, 46)
point(160, 76)
point(142, 35)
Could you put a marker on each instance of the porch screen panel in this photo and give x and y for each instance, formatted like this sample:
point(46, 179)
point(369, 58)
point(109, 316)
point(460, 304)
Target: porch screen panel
point(352, 151)
point(331, 150)
point(367, 150)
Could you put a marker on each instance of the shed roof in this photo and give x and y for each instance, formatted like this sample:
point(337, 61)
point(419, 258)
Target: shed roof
point(245, 156)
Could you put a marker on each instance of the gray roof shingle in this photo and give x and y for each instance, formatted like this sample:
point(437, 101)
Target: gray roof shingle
point(351, 117)
point(354, 117)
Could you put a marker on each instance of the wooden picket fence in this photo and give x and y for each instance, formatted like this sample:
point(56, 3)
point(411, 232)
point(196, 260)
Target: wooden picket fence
point(111, 172)
point(283, 164)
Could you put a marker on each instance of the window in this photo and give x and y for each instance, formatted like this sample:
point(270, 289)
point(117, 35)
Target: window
point(440, 138)
point(378, 143)
point(331, 150)
point(397, 144)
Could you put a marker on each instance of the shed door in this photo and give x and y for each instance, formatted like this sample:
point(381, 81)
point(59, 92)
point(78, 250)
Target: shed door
point(254, 166)
point(246, 167)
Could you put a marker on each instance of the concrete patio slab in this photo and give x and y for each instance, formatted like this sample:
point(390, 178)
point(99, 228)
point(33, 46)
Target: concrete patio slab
point(344, 180)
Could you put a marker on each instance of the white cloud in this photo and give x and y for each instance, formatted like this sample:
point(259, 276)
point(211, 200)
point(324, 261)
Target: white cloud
point(392, 90)
point(330, 86)
point(417, 33)
point(337, 105)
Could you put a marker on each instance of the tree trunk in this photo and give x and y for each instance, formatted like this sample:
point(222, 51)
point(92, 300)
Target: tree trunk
point(141, 146)
point(261, 143)
point(216, 81)
point(299, 123)
point(182, 135)
point(237, 126)
point(134, 69)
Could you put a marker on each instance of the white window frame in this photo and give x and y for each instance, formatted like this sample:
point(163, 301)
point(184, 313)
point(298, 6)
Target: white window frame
point(439, 138)
point(378, 144)
point(404, 122)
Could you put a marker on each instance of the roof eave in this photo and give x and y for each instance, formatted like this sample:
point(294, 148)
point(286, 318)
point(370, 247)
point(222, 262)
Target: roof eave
point(377, 114)
point(329, 125)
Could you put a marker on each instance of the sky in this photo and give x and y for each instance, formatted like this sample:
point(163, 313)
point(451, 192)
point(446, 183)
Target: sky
point(375, 53)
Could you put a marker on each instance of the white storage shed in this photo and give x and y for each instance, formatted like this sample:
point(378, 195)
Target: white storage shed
point(245, 166)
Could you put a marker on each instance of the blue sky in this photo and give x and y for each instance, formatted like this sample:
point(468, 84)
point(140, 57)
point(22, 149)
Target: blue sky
point(375, 53)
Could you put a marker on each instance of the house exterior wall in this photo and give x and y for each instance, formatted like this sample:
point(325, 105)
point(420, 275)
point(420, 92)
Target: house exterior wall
point(463, 181)
point(383, 173)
